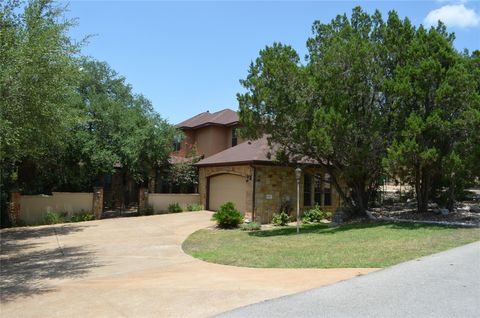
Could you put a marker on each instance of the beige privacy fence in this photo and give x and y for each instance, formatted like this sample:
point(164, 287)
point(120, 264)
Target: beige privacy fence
point(161, 201)
point(34, 208)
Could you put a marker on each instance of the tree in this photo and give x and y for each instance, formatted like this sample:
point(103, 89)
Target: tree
point(37, 78)
point(38, 74)
point(184, 174)
point(331, 109)
point(66, 121)
point(371, 91)
point(436, 95)
point(114, 127)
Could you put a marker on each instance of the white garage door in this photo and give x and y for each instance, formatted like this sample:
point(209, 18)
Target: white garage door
point(227, 187)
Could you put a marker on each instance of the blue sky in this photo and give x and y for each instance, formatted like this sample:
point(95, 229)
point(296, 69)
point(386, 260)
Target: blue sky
point(188, 57)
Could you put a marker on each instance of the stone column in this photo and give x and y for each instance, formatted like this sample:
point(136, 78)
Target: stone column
point(97, 202)
point(142, 199)
point(14, 207)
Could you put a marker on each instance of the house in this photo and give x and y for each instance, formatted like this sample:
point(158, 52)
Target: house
point(248, 176)
point(208, 133)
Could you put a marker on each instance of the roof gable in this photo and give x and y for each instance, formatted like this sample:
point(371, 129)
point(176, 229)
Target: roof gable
point(226, 117)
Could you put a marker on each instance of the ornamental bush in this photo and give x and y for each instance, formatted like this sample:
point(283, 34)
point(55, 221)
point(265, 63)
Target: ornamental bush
point(82, 216)
point(55, 217)
point(315, 215)
point(252, 226)
point(280, 219)
point(228, 216)
point(194, 207)
point(175, 208)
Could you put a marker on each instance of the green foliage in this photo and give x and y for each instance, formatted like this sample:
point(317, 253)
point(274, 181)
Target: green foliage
point(194, 207)
point(316, 215)
point(37, 75)
point(228, 216)
point(175, 208)
point(437, 123)
point(81, 217)
point(280, 219)
point(148, 210)
point(55, 217)
point(184, 174)
point(252, 226)
point(67, 120)
point(373, 95)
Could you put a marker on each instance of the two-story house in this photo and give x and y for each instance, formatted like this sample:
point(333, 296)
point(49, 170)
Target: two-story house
point(246, 173)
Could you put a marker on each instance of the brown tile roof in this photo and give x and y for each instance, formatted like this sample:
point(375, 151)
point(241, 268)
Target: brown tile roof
point(246, 152)
point(226, 117)
point(249, 152)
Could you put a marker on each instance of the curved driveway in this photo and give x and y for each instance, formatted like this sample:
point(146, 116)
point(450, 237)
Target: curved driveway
point(133, 267)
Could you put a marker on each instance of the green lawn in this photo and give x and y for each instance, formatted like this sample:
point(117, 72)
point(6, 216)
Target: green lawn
point(357, 245)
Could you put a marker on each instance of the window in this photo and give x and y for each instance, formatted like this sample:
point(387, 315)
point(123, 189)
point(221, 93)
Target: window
point(317, 190)
point(327, 190)
point(234, 137)
point(177, 143)
point(307, 190)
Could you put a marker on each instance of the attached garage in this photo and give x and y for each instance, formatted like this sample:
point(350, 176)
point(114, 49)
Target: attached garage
point(224, 188)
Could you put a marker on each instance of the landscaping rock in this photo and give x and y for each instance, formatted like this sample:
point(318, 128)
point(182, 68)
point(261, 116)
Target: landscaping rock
point(341, 215)
point(444, 212)
point(474, 208)
point(433, 205)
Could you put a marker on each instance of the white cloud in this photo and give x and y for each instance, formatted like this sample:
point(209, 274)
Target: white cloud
point(453, 1)
point(455, 15)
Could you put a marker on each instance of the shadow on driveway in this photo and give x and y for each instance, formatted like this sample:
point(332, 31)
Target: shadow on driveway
point(26, 265)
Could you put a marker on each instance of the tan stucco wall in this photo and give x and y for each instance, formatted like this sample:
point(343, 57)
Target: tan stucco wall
point(208, 140)
point(244, 171)
point(211, 140)
point(34, 208)
point(273, 185)
point(161, 201)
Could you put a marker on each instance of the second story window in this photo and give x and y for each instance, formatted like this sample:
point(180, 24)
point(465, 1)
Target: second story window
point(177, 143)
point(234, 137)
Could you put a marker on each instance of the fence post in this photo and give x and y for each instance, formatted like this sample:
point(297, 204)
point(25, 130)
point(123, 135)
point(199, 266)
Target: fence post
point(97, 202)
point(142, 199)
point(14, 207)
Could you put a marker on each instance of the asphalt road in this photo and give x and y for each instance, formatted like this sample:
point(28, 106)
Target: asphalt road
point(446, 284)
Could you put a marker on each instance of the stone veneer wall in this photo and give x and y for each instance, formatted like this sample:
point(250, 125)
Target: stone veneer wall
point(273, 185)
point(244, 171)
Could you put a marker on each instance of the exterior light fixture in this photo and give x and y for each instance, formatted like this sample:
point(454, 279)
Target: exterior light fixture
point(298, 175)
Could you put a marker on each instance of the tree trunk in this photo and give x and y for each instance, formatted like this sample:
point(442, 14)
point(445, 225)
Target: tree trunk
point(422, 182)
point(451, 195)
point(360, 198)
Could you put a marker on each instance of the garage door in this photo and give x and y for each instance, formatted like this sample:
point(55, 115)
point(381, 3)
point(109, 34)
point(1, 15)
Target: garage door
point(227, 187)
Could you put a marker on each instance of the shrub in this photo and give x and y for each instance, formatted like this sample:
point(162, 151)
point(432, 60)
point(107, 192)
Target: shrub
point(148, 210)
point(54, 217)
point(252, 226)
point(83, 216)
point(174, 208)
point(227, 216)
point(280, 219)
point(315, 215)
point(194, 207)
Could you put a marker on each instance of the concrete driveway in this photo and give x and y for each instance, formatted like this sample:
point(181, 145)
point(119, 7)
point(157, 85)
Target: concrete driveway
point(442, 285)
point(133, 267)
